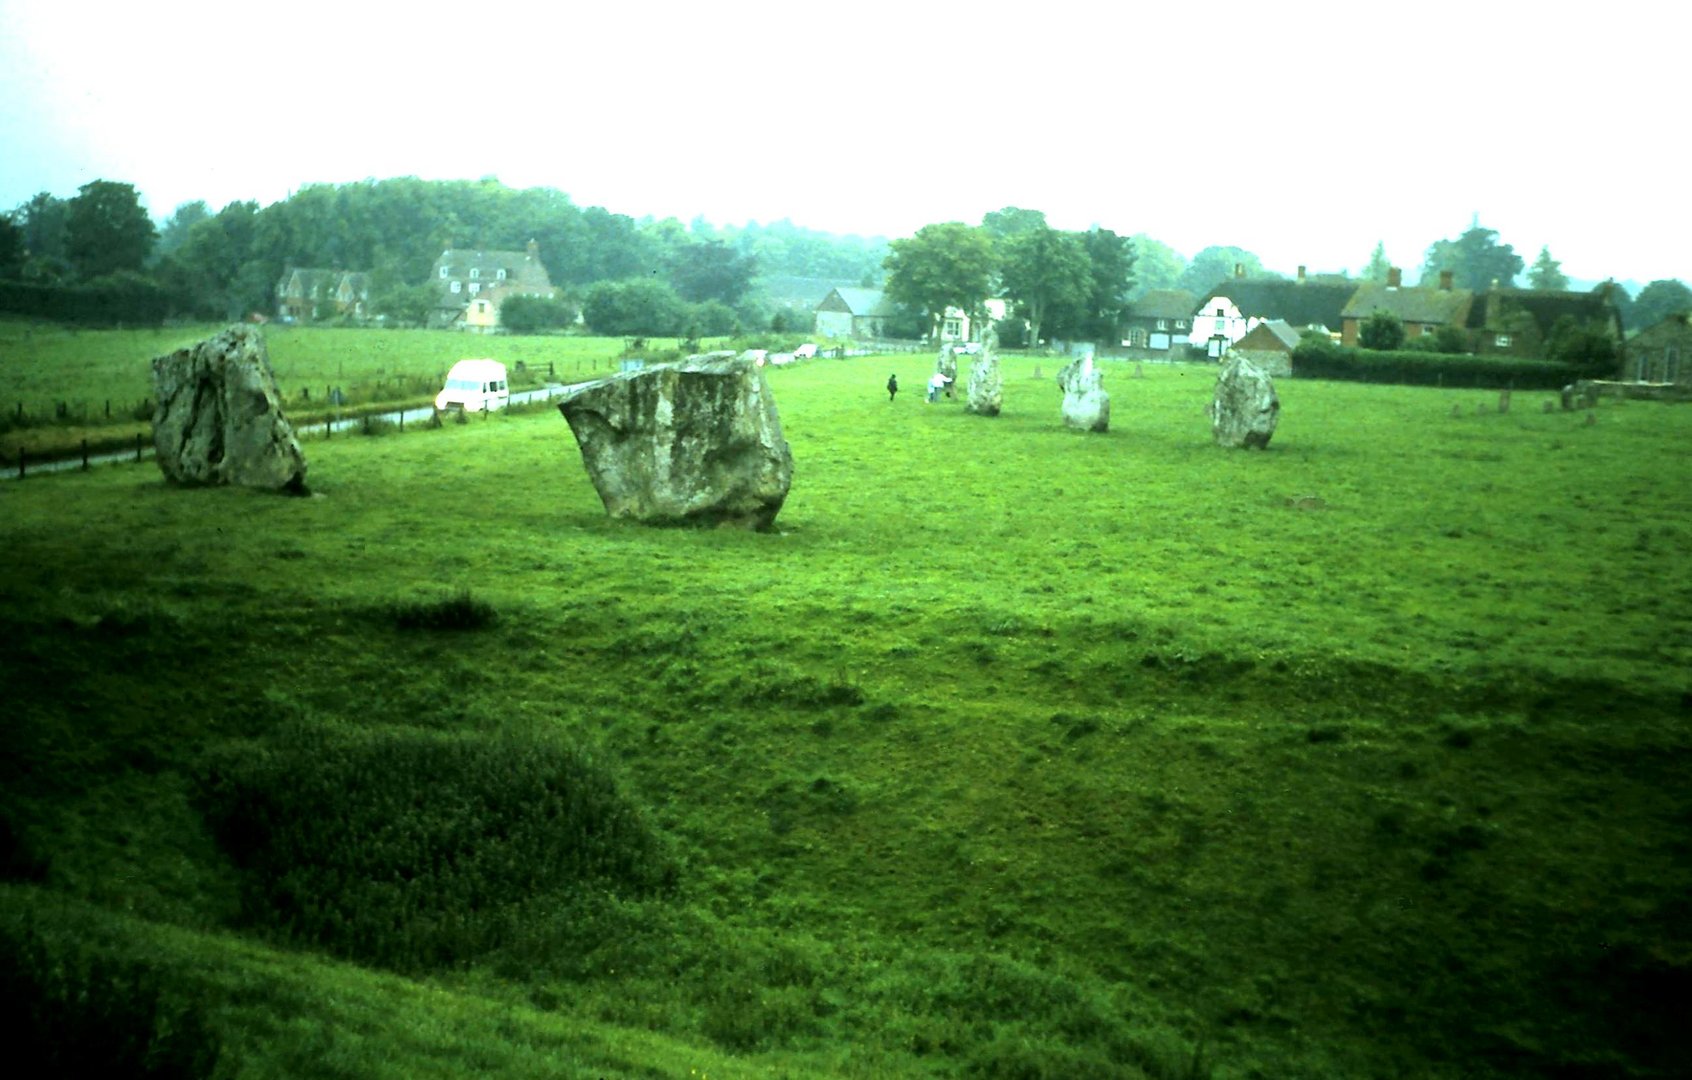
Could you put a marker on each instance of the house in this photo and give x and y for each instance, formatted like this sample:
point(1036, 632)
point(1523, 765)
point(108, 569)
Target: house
point(1521, 322)
point(849, 312)
point(1232, 309)
point(1160, 320)
point(305, 294)
point(1661, 353)
point(462, 277)
point(1269, 345)
point(1421, 310)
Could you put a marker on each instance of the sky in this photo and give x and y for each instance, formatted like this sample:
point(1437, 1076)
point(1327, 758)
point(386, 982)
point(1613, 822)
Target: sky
point(1304, 132)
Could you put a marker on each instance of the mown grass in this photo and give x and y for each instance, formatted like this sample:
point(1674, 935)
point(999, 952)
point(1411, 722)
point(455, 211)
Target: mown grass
point(1010, 752)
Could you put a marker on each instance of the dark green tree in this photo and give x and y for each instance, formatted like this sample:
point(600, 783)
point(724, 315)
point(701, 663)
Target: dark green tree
point(1476, 260)
point(1046, 273)
point(107, 230)
point(1156, 266)
point(639, 307)
point(711, 270)
point(1381, 330)
point(42, 219)
point(1112, 258)
point(175, 231)
point(1378, 265)
point(944, 265)
point(1657, 301)
point(535, 314)
point(11, 248)
point(1214, 265)
point(1012, 221)
point(1546, 273)
point(1590, 348)
point(410, 305)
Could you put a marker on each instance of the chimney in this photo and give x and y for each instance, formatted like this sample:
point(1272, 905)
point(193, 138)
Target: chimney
point(1445, 277)
point(1239, 270)
point(1395, 277)
point(1301, 273)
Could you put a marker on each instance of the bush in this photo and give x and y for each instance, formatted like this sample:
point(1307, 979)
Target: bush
point(1316, 358)
point(67, 1009)
point(535, 315)
point(1381, 331)
point(417, 851)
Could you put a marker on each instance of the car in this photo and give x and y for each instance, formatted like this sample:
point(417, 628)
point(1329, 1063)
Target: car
point(805, 351)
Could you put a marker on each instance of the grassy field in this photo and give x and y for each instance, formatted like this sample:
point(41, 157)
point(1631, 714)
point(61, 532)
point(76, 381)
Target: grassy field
point(60, 385)
point(1011, 752)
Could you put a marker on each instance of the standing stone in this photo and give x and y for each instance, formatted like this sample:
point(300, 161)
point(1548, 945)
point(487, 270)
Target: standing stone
point(1245, 409)
point(947, 367)
point(691, 443)
point(986, 386)
point(1086, 406)
point(219, 417)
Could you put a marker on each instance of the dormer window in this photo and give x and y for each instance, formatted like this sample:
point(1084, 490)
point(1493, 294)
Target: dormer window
point(443, 271)
point(1163, 324)
point(475, 273)
point(501, 275)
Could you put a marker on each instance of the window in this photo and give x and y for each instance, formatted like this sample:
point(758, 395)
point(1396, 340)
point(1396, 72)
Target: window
point(1163, 324)
point(1671, 364)
point(953, 328)
point(500, 275)
point(1502, 341)
point(1218, 313)
point(457, 288)
point(1221, 324)
point(1180, 324)
point(443, 271)
point(1426, 329)
point(475, 273)
point(475, 287)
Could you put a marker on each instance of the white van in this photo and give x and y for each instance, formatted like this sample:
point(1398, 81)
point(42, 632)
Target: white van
point(475, 386)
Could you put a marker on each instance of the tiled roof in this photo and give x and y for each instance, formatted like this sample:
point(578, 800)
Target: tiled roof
point(1444, 307)
point(1164, 304)
point(1300, 303)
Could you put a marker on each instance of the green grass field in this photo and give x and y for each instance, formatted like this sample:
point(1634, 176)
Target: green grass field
point(1011, 752)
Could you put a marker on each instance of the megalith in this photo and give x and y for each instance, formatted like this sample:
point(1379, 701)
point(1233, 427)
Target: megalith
point(986, 392)
point(219, 416)
point(946, 366)
point(1086, 406)
point(697, 442)
point(1245, 409)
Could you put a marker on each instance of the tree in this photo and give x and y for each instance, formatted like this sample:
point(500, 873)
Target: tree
point(1156, 266)
point(1012, 221)
point(639, 307)
point(534, 314)
point(1046, 272)
point(942, 266)
point(1112, 258)
point(1590, 348)
point(410, 305)
point(11, 248)
point(1378, 267)
point(1657, 301)
point(1214, 265)
point(175, 231)
point(1381, 330)
point(1476, 260)
point(1547, 273)
point(42, 219)
point(107, 230)
point(711, 270)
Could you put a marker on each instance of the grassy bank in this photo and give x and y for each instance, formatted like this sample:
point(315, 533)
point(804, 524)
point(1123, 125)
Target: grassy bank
point(1011, 752)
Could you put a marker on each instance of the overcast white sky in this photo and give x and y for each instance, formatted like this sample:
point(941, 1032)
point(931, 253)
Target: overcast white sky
point(1304, 132)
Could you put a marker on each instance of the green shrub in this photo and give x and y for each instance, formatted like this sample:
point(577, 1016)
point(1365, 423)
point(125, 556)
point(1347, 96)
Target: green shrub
point(69, 1010)
point(1318, 359)
point(416, 851)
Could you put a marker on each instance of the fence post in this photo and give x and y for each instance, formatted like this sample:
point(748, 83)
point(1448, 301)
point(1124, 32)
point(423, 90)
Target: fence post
point(402, 421)
point(22, 453)
point(327, 428)
point(84, 455)
point(138, 448)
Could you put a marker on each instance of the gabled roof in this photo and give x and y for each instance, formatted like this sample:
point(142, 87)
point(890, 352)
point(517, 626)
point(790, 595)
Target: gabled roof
point(1266, 334)
point(859, 301)
point(525, 267)
point(1301, 303)
point(1441, 307)
point(1500, 308)
point(1164, 304)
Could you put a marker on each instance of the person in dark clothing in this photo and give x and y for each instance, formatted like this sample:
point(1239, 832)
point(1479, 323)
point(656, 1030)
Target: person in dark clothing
point(892, 386)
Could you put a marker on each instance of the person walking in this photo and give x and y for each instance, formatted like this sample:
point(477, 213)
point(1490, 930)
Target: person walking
point(892, 386)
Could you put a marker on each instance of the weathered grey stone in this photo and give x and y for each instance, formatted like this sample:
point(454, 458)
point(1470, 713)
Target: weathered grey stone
point(1086, 406)
point(1245, 409)
point(986, 386)
point(691, 443)
point(947, 366)
point(219, 417)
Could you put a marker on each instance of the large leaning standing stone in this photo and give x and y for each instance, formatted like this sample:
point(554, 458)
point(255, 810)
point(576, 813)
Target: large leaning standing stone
point(1245, 409)
point(219, 418)
point(986, 386)
point(692, 443)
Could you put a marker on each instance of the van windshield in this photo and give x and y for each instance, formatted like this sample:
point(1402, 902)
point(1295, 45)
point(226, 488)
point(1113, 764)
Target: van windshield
point(463, 384)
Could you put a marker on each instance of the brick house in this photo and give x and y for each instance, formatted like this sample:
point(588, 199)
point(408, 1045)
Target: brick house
point(1521, 322)
point(305, 294)
point(1160, 320)
point(1661, 353)
point(463, 276)
point(1269, 345)
point(1422, 310)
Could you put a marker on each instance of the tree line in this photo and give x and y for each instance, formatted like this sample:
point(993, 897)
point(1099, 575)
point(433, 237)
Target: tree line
point(99, 253)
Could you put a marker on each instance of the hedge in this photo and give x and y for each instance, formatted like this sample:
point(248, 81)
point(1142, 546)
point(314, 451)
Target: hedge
point(126, 301)
point(1319, 361)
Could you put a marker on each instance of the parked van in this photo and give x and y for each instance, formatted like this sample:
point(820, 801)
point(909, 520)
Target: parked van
point(475, 386)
